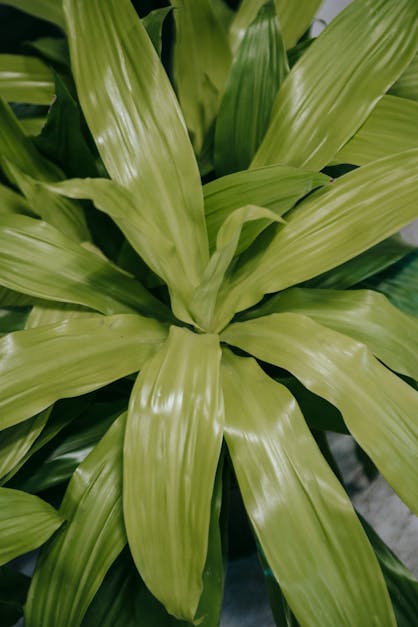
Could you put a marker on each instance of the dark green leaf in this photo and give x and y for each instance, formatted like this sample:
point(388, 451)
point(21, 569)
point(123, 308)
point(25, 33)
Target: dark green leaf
point(13, 590)
point(153, 23)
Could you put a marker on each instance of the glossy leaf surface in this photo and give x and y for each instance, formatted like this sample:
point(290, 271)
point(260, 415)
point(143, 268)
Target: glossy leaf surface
point(77, 356)
point(295, 18)
point(257, 72)
point(65, 580)
point(364, 315)
point(379, 409)
point(391, 127)
point(139, 132)
point(25, 79)
point(26, 522)
point(350, 216)
point(175, 412)
point(316, 111)
point(296, 505)
point(407, 84)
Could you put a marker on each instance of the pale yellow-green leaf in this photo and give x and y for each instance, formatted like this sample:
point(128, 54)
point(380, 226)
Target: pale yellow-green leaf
point(378, 408)
point(276, 187)
point(77, 356)
point(50, 10)
point(36, 259)
point(295, 17)
point(51, 313)
point(25, 79)
point(365, 315)
point(407, 84)
point(138, 128)
point(335, 85)
point(72, 567)
point(391, 127)
point(26, 522)
point(304, 521)
point(172, 446)
point(201, 62)
point(357, 211)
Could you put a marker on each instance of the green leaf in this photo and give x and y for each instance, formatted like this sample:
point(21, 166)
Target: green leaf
point(51, 49)
point(77, 356)
point(26, 522)
point(32, 126)
point(400, 284)
point(316, 112)
point(12, 319)
point(139, 132)
point(407, 84)
point(13, 590)
point(391, 127)
point(50, 10)
point(153, 23)
point(295, 18)
point(25, 79)
point(201, 63)
point(51, 313)
point(357, 211)
point(39, 260)
point(175, 412)
point(66, 580)
point(246, 14)
point(365, 265)
point(257, 72)
point(378, 408)
point(11, 202)
point(301, 508)
point(276, 187)
point(16, 441)
point(364, 315)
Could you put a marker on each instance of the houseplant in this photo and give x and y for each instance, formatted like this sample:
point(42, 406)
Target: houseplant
point(194, 281)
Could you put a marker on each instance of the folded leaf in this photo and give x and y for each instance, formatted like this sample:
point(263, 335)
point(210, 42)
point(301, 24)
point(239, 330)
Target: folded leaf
point(247, 12)
point(153, 23)
point(39, 260)
point(139, 132)
point(257, 72)
point(357, 211)
point(25, 79)
point(378, 408)
point(295, 18)
point(32, 126)
point(391, 127)
point(297, 506)
point(407, 84)
point(77, 356)
point(26, 522)
point(65, 580)
point(50, 10)
point(399, 284)
point(316, 112)
point(276, 187)
point(175, 412)
point(364, 315)
point(201, 63)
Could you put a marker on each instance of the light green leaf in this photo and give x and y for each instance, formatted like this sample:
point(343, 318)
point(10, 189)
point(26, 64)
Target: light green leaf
point(50, 10)
point(26, 522)
point(391, 127)
point(365, 265)
point(407, 84)
point(32, 126)
point(400, 284)
point(364, 315)
point(16, 441)
point(175, 412)
point(297, 506)
point(357, 211)
point(66, 580)
point(257, 72)
point(25, 79)
point(230, 239)
point(51, 313)
point(295, 18)
point(379, 408)
point(37, 259)
point(153, 23)
point(11, 202)
point(201, 63)
point(317, 110)
point(276, 187)
point(246, 14)
point(139, 132)
point(77, 356)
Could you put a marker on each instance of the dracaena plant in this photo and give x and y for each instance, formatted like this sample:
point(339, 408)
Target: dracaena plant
point(178, 330)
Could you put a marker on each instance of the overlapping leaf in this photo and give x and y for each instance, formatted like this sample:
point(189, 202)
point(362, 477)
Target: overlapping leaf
point(11, 202)
point(25, 79)
point(297, 506)
point(50, 10)
point(26, 522)
point(65, 581)
point(77, 356)
point(295, 18)
point(407, 84)
point(175, 413)
point(379, 408)
point(400, 284)
point(338, 81)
